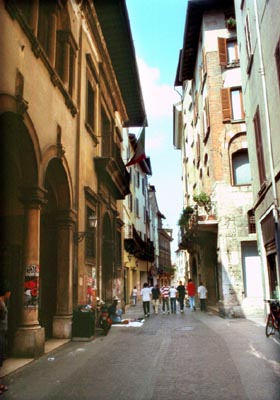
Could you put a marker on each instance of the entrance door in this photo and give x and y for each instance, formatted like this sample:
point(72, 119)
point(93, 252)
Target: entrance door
point(251, 270)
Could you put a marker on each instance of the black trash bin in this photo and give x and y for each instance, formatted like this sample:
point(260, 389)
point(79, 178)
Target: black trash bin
point(83, 324)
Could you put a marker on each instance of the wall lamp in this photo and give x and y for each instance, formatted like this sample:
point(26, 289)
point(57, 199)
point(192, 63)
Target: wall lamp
point(92, 224)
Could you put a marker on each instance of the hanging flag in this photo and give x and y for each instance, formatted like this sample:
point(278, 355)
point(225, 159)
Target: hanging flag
point(139, 154)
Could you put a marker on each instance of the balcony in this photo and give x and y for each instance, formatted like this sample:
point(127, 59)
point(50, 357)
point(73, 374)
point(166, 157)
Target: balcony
point(138, 247)
point(111, 170)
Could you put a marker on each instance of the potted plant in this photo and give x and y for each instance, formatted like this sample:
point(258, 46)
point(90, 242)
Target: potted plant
point(231, 23)
point(203, 200)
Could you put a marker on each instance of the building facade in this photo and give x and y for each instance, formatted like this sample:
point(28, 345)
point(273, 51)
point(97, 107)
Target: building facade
point(258, 37)
point(210, 131)
point(67, 90)
point(139, 251)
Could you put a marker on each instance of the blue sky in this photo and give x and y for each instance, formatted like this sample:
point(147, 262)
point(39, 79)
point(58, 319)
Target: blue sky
point(157, 28)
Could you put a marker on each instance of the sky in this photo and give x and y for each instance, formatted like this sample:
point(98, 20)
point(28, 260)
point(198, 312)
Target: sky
point(157, 29)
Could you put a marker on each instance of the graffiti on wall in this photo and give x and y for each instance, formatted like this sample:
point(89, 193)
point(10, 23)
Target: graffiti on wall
point(31, 286)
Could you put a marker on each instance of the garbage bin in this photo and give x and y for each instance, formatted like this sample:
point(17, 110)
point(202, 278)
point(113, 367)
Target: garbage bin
point(83, 324)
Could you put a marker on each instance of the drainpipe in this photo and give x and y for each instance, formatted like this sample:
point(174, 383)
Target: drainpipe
point(268, 134)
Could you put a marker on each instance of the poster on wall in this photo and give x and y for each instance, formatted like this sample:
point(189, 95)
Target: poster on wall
point(31, 286)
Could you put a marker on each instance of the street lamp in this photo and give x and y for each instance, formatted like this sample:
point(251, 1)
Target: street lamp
point(92, 224)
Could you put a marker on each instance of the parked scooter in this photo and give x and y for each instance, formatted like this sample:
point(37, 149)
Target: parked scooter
point(104, 321)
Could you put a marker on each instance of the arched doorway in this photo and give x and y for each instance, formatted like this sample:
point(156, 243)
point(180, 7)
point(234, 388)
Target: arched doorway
point(107, 259)
point(51, 249)
point(18, 171)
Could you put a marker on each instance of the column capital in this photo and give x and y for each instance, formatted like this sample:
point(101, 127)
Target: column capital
point(66, 217)
point(33, 197)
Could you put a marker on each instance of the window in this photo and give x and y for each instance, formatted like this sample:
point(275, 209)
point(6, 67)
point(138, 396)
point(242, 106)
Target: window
point(90, 106)
point(241, 168)
point(137, 179)
point(137, 208)
point(130, 202)
point(251, 222)
point(143, 186)
point(206, 119)
point(237, 104)
point(277, 59)
point(90, 237)
point(228, 51)
point(232, 104)
point(249, 51)
point(259, 146)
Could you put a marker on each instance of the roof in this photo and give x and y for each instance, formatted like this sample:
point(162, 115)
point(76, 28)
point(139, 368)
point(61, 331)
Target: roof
point(114, 21)
point(188, 54)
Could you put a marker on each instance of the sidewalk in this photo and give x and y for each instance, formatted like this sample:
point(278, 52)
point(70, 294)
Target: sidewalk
point(12, 364)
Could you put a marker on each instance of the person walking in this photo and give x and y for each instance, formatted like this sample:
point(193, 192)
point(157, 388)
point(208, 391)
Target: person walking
point(165, 297)
point(173, 298)
point(202, 294)
point(191, 294)
point(155, 298)
point(181, 294)
point(134, 296)
point(5, 294)
point(146, 298)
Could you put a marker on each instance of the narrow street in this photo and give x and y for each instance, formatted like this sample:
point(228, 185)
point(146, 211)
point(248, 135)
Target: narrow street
point(183, 356)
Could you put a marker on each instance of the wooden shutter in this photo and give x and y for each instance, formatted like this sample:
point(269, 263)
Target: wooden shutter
point(222, 48)
point(226, 106)
point(259, 146)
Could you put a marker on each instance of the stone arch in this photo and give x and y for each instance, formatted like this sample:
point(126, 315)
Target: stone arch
point(107, 258)
point(56, 223)
point(18, 172)
point(52, 153)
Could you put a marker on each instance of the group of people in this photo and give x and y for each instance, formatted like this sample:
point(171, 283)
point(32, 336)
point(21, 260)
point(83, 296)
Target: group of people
point(169, 295)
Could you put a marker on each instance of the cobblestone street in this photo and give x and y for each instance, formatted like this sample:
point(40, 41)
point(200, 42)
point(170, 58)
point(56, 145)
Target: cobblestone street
point(180, 356)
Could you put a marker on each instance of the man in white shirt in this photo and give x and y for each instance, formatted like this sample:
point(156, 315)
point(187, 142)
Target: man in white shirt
point(146, 298)
point(173, 298)
point(202, 292)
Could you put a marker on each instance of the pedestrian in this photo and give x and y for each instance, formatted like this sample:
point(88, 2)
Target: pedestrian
point(202, 293)
point(146, 298)
point(173, 298)
point(165, 297)
point(5, 294)
point(181, 294)
point(191, 294)
point(134, 296)
point(155, 298)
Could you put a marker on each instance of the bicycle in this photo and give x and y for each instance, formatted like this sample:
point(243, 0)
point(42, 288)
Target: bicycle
point(273, 318)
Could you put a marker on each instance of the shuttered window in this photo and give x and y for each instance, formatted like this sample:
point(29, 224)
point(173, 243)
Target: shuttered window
point(259, 146)
point(226, 107)
point(228, 51)
point(222, 47)
point(232, 104)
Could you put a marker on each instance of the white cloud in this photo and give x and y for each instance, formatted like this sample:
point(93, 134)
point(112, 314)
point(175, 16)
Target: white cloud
point(158, 98)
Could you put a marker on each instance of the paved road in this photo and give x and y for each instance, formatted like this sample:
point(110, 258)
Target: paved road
point(170, 357)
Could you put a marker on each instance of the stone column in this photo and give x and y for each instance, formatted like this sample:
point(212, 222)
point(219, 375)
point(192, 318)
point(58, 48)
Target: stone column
point(62, 322)
point(30, 336)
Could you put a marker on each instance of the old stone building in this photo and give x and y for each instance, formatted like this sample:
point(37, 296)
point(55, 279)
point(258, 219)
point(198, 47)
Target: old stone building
point(217, 224)
point(68, 85)
point(259, 40)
